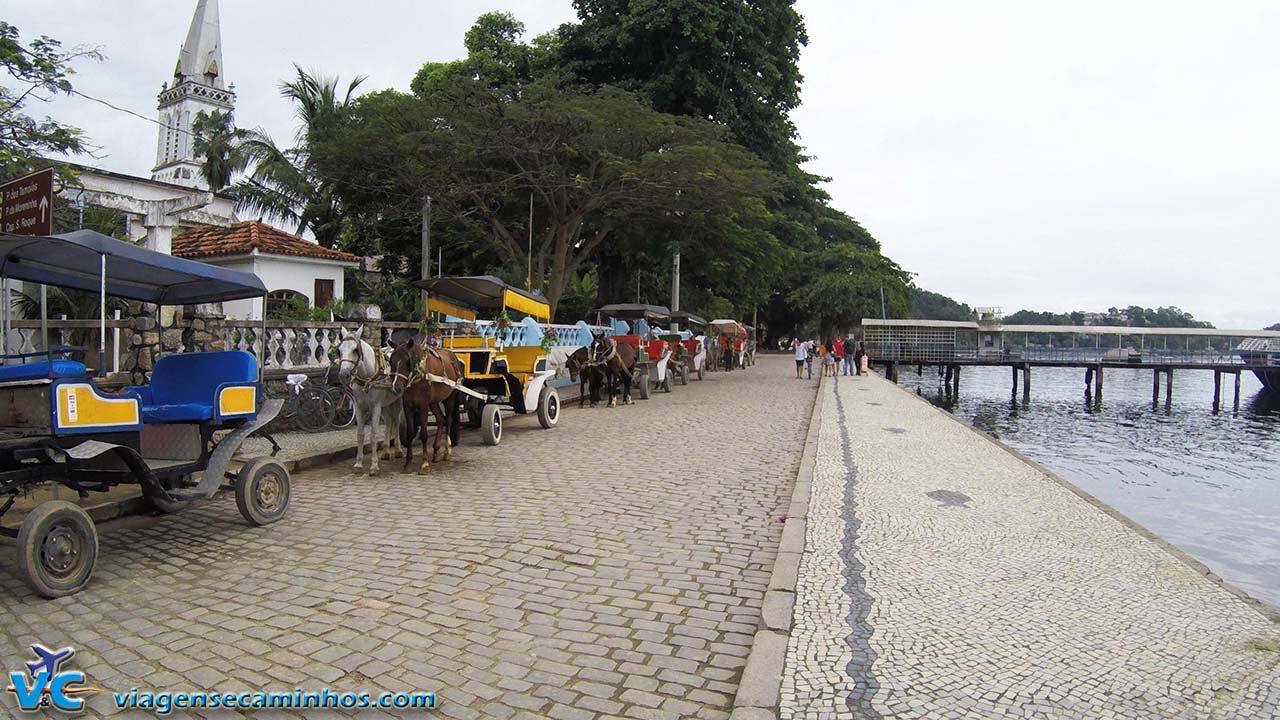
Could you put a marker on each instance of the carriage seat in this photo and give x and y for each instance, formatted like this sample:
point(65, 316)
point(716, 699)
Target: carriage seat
point(184, 386)
point(42, 370)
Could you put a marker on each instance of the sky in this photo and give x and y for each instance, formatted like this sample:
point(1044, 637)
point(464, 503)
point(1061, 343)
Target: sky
point(1051, 156)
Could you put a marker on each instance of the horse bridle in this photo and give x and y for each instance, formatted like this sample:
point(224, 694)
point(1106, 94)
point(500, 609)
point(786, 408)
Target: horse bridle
point(355, 370)
point(611, 354)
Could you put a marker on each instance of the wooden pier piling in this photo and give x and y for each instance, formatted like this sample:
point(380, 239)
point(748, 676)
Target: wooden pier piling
point(1168, 388)
point(1026, 382)
point(1097, 383)
point(955, 378)
point(1237, 402)
point(1155, 386)
point(1217, 389)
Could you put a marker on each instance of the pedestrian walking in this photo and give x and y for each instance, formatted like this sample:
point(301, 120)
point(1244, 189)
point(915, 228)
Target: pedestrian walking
point(829, 358)
point(850, 362)
point(810, 352)
point(801, 353)
point(838, 346)
point(859, 358)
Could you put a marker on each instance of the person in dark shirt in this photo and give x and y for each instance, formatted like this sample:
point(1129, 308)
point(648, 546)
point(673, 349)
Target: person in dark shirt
point(849, 366)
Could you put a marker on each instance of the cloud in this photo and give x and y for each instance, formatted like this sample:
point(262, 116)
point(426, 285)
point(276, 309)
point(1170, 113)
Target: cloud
point(1049, 156)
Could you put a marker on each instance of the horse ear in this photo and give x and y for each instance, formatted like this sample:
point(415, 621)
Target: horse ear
point(359, 331)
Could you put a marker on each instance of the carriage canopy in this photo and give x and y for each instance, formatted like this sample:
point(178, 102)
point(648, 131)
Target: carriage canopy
point(687, 319)
point(80, 259)
point(461, 297)
point(635, 311)
point(729, 327)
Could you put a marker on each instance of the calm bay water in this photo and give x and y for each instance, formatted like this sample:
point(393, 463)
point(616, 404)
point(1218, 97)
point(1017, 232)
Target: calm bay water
point(1209, 484)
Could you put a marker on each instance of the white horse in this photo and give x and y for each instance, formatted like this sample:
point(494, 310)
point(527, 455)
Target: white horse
point(364, 370)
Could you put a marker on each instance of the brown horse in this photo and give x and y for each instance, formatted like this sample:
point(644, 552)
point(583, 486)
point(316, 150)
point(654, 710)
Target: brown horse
point(410, 365)
point(589, 377)
point(617, 361)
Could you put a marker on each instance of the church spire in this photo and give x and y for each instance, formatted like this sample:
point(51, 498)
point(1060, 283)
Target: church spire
point(200, 59)
point(197, 87)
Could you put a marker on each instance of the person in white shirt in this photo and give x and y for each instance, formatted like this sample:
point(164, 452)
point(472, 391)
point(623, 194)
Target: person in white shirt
point(801, 348)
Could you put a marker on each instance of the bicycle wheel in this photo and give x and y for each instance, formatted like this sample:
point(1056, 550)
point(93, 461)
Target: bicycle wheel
point(290, 406)
point(315, 409)
point(345, 411)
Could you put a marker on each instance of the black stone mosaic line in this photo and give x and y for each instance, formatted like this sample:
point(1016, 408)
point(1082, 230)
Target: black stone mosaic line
point(855, 587)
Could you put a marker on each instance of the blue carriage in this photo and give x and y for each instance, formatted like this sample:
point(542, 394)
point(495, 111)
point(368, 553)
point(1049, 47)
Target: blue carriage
point(174, 436)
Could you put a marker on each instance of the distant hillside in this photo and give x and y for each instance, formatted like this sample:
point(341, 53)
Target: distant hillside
point(927, 305)
point(1274, 327)
point(1132, 316)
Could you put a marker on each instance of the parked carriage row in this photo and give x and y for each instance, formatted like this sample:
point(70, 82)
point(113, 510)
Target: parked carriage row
point(175, 436)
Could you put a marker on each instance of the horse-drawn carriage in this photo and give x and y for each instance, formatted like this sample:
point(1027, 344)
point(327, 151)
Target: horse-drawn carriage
point(499, 371)
point(730, 339)
point(174, 436)
point(654, 366)
point(688, 347)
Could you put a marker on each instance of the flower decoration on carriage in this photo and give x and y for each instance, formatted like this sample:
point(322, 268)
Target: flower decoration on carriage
point(549, 338)
point(503, 321)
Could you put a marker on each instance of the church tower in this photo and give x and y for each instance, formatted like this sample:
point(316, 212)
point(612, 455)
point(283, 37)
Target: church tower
point(197, 87)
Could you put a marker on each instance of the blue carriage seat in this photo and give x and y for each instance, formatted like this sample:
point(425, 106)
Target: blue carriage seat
point(42, 370)
point(184, 386)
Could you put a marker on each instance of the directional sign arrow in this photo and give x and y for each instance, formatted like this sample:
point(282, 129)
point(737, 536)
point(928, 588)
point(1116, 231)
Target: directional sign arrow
point(44, 207)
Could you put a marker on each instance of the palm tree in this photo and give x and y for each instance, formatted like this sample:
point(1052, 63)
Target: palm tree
point(283, 184)
point(219, 142)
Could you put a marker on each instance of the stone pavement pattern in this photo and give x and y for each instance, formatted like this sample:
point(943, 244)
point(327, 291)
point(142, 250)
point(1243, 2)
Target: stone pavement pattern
point(612, 566)
point(943, 577)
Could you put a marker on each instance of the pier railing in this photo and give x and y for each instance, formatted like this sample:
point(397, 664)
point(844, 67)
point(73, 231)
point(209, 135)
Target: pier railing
point(934, 342)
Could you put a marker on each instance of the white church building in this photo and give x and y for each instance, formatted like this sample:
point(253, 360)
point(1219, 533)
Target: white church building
point(174, 212)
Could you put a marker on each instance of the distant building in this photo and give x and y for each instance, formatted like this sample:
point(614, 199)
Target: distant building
point(290, 266)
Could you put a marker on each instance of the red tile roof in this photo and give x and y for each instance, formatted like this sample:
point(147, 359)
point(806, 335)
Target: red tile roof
point(244, 237)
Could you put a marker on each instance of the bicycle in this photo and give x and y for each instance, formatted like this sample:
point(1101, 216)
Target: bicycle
point(344, 407)
point(311, 408)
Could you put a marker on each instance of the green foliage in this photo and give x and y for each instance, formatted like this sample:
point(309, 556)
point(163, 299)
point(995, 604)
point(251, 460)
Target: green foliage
point(399, 300)
point(1132, 316)
point(299, 309)
point(579, 298)
point(37, 70)
point(846, 286)
point(284, 184)
point(218, 141)
point(736, 63)
point(716, 308)
point(927, 305)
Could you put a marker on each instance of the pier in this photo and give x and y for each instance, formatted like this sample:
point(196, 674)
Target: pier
point(950, 346)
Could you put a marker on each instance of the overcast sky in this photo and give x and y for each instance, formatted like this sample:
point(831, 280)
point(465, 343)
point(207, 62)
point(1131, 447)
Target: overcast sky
point(1054, 156)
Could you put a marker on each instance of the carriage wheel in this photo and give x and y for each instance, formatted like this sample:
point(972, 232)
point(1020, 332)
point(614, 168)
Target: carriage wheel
point(160, 504)
point(491, 425)
point(262, 491)
point(57, 549)
point(474, 408)
point(666, 381)
point(548, 407)
point(684, 374)
point(642, 384)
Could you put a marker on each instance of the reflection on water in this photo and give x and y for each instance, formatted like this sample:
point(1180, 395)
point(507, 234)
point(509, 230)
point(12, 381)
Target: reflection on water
point(1208, 483)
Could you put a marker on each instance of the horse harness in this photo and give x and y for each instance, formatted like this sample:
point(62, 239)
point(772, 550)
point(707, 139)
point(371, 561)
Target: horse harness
point(605, 357)
point(379, 368)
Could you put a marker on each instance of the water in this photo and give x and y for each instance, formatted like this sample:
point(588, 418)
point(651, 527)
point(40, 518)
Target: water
point(1209, 484)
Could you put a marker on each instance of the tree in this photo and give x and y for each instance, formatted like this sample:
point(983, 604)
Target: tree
point(927, 305)
point(733, 62)
point(284, 183)
point(39, 70)
point(218, 141)
point(846, 287)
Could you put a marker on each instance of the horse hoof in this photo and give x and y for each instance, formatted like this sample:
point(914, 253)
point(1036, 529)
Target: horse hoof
point(399, 454)
point(426, 467)
point(373, 471)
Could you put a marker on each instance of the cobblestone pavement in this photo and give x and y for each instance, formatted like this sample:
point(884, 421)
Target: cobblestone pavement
point(614, 565)
point(943, 577)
